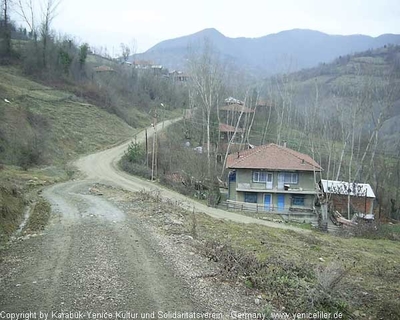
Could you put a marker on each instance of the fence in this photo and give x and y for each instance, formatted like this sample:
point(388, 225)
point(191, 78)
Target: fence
point(265, 210)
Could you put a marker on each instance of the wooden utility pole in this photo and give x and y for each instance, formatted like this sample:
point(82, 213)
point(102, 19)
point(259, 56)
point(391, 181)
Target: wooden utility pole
point(147, 150)
point(153, 154)
point(156, 143)
point(154, 158)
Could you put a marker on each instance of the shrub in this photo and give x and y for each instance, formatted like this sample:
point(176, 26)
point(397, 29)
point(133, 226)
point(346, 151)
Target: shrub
point(135, 153)
point(373, 230)
point(135, 168)
point(292, 284)
point(185, 189)
point(29, 157)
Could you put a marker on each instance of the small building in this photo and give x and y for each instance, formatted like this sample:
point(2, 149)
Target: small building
point(178, 76)
point(227, 132)
point(232, 100)
point(337, 193)
point(273, 178)
point(103, 69)
point(157, 69)
point(143, 64)
point(233, 113)
point(237, 108)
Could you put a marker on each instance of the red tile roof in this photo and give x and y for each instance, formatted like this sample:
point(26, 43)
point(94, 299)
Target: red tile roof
point(227, 128)
point(236, 108)
point(272, 157)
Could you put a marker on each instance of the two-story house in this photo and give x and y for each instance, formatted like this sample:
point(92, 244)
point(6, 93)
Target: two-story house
point(274, 177)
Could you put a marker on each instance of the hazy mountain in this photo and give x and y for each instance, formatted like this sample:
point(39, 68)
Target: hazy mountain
point(269, 54)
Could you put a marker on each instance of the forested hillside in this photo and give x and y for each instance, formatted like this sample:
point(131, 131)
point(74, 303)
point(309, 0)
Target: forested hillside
point(57, 99)
point(346, 113)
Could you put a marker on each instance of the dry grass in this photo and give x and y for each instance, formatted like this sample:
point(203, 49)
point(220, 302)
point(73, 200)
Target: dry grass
point(299, 271)
point(73, 126)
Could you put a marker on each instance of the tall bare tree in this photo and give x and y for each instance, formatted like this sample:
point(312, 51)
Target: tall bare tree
point(125, 52)
point(206, 73)
point(49, 12)
point(5, 29)
point(26, 10)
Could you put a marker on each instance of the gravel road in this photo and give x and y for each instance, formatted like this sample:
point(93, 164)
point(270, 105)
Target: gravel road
point(93, 256)
point(102, 167)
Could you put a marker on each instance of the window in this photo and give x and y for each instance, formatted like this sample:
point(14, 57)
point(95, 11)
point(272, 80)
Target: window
point(298, 200)
point(259, 176)
point(291, 178)
point(250, 197)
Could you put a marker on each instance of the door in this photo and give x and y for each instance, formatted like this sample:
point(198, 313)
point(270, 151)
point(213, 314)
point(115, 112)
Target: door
point(269, 180)
point(281, 202)
point(267, 202)
point(281, 181)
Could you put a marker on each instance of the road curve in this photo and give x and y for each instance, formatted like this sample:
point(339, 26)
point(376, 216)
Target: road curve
point(102, 167)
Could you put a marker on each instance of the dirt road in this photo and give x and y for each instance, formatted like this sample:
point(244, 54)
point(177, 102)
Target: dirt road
point(102, 167)
point(93, 257)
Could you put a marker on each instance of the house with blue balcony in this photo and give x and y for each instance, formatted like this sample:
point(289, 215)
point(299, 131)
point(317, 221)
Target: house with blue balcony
point(273, 178)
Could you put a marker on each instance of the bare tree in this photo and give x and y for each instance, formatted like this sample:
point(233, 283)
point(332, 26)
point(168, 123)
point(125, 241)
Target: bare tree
point(125, 52)
point(5, 30)
point(25, 9)
point(207, 81)
point(49, 12)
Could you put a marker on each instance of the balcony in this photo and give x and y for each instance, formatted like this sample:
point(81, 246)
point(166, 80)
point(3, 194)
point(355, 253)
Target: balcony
point(253, 187)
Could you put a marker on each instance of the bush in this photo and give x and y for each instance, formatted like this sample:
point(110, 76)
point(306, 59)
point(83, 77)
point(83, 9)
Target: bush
point(291, 284)
point(135, 153)
point(134, 168)
point(187, 190)
point(29, 157)
point(373, 230)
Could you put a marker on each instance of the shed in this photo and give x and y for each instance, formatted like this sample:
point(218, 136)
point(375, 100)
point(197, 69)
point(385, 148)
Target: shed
point(361, 195)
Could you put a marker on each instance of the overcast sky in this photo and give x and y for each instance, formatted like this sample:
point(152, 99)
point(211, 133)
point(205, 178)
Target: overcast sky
point(147, 22)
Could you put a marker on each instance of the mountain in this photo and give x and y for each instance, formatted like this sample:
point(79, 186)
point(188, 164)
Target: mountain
point(269, 54)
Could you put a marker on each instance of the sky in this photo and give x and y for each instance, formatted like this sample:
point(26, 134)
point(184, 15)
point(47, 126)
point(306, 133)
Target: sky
point(142, 24)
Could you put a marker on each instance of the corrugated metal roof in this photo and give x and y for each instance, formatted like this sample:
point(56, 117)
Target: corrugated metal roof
point(344, 188)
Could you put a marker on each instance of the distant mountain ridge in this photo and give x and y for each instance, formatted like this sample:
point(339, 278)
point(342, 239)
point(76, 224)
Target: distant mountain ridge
point(267, 55)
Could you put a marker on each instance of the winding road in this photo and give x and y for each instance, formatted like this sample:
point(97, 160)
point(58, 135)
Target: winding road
point(102, 167)
point(92, 256)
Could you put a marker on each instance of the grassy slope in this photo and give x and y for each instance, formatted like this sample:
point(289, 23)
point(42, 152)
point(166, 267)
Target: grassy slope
point(374, 264)
point(62, 125)
point(74, 127)
point(11, 209)
point(371, 286)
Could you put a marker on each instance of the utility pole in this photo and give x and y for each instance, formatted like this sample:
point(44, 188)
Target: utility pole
point(163, 115)
point(156, 143)
point(154, 158)
point(147, 150)
point(153, 154)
